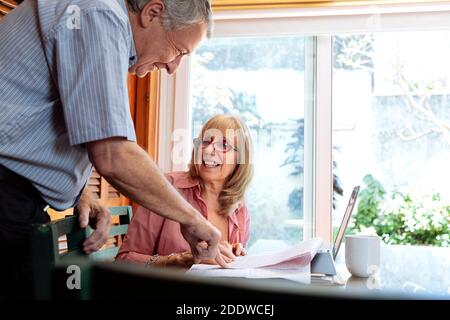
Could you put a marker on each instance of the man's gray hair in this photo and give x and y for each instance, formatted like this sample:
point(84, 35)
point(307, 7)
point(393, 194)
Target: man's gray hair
point(179, 14)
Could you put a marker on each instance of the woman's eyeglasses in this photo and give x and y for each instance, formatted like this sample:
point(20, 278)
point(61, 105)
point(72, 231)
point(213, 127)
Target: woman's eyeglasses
point(223, 146)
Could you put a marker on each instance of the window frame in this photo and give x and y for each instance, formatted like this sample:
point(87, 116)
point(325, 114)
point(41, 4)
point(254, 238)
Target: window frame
point(271, 4)
point(318, 108)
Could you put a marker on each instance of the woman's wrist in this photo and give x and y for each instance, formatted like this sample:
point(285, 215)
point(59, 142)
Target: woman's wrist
point(183, 259)
point(152, 260)
point(163, 261)
point(180, 260)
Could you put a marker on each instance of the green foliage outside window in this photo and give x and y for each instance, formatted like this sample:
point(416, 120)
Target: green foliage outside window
point(402, 218)
point(369, 205)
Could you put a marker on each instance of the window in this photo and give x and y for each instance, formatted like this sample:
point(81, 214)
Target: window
point(339, 80)
point(391, 132)
point(260, 79)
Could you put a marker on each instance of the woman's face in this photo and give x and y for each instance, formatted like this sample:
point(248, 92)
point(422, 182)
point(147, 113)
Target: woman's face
point(219, 158)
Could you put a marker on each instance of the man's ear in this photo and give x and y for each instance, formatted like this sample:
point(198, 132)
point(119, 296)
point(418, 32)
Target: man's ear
point(151, 10)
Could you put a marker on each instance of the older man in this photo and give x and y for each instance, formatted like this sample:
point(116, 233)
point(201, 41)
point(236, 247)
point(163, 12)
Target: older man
point(64, 108)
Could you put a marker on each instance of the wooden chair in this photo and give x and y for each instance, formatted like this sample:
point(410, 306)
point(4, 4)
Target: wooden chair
point(46, 251)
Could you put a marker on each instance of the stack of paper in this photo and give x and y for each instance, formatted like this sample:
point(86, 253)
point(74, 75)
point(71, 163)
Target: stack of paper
point(292, 263)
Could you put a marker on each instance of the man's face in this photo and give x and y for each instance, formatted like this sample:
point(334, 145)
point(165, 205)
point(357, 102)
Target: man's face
point(160, 48)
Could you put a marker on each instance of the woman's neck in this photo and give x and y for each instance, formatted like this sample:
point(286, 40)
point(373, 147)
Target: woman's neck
point(210, 194)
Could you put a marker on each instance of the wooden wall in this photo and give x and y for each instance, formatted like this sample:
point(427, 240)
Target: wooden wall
point(6, 6)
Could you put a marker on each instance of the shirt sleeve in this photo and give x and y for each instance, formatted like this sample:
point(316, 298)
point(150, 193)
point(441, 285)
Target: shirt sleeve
point(91, 70)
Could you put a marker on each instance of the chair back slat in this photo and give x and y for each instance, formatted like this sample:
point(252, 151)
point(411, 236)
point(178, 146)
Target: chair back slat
point(124, 212)
point(118, 230)
point(106, 254)
point(66, 225)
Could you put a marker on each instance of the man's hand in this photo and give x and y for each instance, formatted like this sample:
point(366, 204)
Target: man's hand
point(203, 239)
point(227, 252)
point(89, 208)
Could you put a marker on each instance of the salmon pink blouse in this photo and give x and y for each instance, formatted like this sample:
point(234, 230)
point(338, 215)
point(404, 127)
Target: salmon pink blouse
point(149, 234)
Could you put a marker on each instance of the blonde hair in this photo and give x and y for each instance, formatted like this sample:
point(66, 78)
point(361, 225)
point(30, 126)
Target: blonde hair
point(237, 183)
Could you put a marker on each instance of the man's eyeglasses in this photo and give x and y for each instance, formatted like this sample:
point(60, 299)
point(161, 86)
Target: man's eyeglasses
point(221, 146)
point(179, 53)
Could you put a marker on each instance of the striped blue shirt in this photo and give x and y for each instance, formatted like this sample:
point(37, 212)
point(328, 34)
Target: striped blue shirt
point(63, 82)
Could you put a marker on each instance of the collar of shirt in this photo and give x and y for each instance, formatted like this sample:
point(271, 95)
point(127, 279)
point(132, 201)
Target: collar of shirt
point(184, 181)
point(133, 57)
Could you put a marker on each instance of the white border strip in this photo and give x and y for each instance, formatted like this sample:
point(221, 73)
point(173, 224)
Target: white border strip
point(323, 182)
point(174, 117)
point(181, 116)
point(332, 11)
point(309, 138)
point(167, 98)
point(333, 24)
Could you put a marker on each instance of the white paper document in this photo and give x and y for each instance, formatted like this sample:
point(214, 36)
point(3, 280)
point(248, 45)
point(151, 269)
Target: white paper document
point(291, 263)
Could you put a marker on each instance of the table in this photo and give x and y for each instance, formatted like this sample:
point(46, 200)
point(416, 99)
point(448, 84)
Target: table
point(413, 269)
point(405, 271)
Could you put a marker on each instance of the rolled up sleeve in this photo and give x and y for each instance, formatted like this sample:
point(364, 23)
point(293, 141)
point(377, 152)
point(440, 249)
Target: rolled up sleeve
point(92, 68)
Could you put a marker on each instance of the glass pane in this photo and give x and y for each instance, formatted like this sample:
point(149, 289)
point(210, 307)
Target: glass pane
point(262, 81)
point(391, 133)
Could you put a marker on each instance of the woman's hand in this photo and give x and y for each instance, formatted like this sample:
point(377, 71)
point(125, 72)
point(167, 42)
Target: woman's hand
point(182, 260)
point(185, 260)
point(238, 249)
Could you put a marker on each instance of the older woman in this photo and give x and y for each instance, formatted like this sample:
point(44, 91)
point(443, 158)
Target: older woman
point(219, 174)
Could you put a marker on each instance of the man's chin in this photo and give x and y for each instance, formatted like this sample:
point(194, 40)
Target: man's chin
point(142, 72)
point(139, 72)
point(132, 71)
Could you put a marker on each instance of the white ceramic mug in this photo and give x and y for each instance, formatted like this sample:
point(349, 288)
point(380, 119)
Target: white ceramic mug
point(362, 255)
